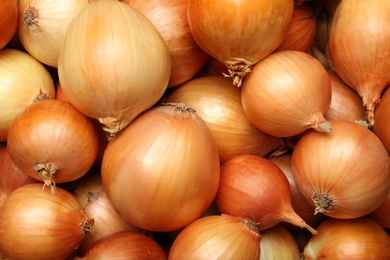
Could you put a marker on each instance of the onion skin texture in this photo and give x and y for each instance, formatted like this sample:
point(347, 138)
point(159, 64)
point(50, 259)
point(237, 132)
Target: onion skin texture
point(23, 81)
point(287, 93)
point(340, 239)
point(53, 142)
point(345, 174)
point(125, 245)
point(90, 75)
point(8, 21)
point(359, 48)
point(162, 178)
point(381, 214)
point(217, 237)
point(382, 125)
point(241, 35)
point(170, 19)
point(218, 103)
point(51, 226)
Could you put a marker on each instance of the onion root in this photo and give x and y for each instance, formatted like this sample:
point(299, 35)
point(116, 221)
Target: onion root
point(47, 172)
point(323, 202)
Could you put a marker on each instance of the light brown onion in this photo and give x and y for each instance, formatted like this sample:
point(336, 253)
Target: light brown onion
point(8, 21)
point(381, 128)
point(170, 19)
point(241, 35)
point(340, 239)
point(359, 48)
point(287, 93)
point(345, 174)
point(218, 103)
point(36, 224)
point(162, 172)
point(217, 237)
point(113, 75)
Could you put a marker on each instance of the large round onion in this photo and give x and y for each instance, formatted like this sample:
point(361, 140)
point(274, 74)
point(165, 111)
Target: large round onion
point(114, 64)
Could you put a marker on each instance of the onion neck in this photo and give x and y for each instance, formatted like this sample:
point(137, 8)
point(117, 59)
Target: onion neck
point(47, 172)
point(238, 69)
point(370, 100)
point(318, 122)
point(30, 19)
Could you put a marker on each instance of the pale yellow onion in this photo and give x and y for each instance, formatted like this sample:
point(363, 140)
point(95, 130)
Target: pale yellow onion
point(287, 93)
point(218, 103)
point(42, 26)
point(120, 67)
point(23, 81)
point(8, 21)
point(239, 33)
point(359, 48)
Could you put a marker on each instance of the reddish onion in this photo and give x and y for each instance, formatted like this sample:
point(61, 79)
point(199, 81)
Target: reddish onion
point(8, 21)
point(36, 224)
point(217, 237)
point(359, 48)
point(241, 35)
point(345, 174)
point(162, 172)
point(218, 103)
point(287, 93)
point(52, 142)
point(253, 187)
point(170, 19)
point(382, 122)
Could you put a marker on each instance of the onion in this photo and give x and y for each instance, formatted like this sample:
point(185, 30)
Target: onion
point(287, 93)
point(302, 30)
point(218, 103)
point(382, 123)
point(345, 174)
point(217, 237)
point(43, 24)
point(111, 75)
point(35, 224)
point(52, 142)
point(23, 80)
point(277, 243)
point(125, 245)
point(253, 187)
point(241, 35)
point(359, 48)
point(11, 177)
point(381, 214)
point(162, 172)
point(8, 21)
point(357, 239)
point(170, 19)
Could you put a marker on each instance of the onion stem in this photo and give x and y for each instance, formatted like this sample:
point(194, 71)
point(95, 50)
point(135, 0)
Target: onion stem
point(47, 172)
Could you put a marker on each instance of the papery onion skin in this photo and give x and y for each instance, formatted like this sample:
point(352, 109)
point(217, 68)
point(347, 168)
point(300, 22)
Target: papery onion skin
point(23, 81)
point(36, 224)
point(287, 93)
point(162, 172)
point(53, 142)
point(381, 128)
point(340, 239)
point(359, 48)
point(345, 174)
point(8, 21)
point(217, 237)
point(218, 103)
point(170, 19)
point(112, 76)
point(42, 26)
point(239, 33)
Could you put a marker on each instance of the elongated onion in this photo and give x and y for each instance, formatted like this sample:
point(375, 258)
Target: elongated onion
point(359, 48)
point(23, 81)
point(287, 93)
point(382, 123)
point(35, 224)
point(345, 174)
point(239, 33)
point(121, 65)
point(8, 21)
point(162, 172)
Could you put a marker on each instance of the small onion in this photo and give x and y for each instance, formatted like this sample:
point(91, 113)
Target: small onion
point(359, 48)
point(242, 34)
point(121, 65)
point(345, 174)
point(340, 239)
point(162, 172)
point(287, 93)
point(23, 81)
point(381, 128)
point(35, 224)
point(255, 188)
point(43, 24)
point(8, 21)
point(218, 103)
point(52, 142)
point(217, 237)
